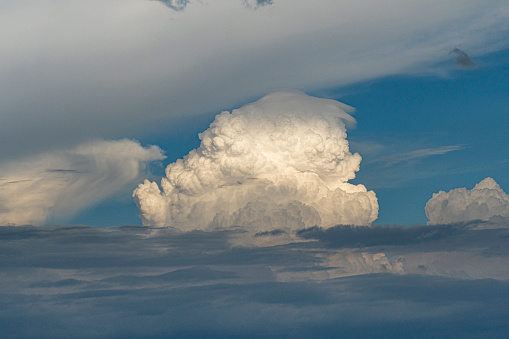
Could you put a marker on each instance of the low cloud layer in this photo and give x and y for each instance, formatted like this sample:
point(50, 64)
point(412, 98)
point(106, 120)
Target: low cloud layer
point(54, 186)
point(281, 162)
point(133, 281)
point(486, 200)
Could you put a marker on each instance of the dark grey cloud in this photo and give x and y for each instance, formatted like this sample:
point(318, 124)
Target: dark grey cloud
point(257, 3)
point(180, 5)
point(462, 60)
point(177, 5)
point(270, 233)
point(370, 236)
point(131, 281)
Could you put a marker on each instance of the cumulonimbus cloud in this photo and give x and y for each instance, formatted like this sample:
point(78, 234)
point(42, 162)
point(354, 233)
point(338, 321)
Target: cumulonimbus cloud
point(57, 185)
point(280, 162)
point(484, 201)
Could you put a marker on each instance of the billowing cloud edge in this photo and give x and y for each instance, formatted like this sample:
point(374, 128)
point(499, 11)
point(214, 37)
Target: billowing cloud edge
point(280, 162)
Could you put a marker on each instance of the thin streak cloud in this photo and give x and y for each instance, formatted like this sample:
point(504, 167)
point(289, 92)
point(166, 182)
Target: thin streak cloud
point(416, 155)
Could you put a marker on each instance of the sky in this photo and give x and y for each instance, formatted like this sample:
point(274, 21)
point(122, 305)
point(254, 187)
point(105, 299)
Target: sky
point(330, 155)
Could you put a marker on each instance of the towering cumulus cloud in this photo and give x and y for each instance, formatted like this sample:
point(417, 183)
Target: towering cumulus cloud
point(484, 201)
point(280, 162)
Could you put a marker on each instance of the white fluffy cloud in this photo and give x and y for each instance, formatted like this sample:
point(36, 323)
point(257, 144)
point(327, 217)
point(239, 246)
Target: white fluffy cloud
point(484, 201)
point(280, 162)
point(57, 185)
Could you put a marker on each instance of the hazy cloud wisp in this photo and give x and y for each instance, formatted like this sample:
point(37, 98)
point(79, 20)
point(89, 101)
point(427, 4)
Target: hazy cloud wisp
point(56, 185)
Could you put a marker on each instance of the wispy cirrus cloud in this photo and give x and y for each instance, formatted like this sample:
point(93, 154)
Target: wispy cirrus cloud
point(416, 155)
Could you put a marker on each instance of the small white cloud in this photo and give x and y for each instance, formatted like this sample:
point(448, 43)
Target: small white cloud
point(484, 201)
point(57, 185)
point(282, 161)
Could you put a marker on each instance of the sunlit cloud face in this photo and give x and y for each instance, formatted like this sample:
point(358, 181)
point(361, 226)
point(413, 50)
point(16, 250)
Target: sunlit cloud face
point(485, 201)
point(59, 184)
point(281, 162)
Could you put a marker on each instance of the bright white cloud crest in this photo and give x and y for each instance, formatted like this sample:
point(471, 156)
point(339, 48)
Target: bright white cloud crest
point(484, 201)
point(59, 184)
point(282, 161)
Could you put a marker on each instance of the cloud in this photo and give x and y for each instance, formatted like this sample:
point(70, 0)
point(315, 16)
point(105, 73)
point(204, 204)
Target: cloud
point(55, 186)
point(280, 162)
point(97, 64)
point(417, 154)
point(177, 5)
point(257, 3)
point(96, 282)
point(462, 60)
point(363, 236)
point(180, 5)
point(486, 200)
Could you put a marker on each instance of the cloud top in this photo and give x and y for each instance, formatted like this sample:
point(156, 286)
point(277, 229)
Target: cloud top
point(282, 161)
point(484, 201)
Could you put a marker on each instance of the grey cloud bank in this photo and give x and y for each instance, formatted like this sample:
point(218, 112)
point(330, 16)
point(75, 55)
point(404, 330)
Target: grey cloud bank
point(118, 68)
point(71, 281)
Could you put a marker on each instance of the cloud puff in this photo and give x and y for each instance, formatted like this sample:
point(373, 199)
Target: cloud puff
point(177, 5)
point(56, 185)
point(257, 3)
point(281, 162)
point(484, 201)
point(462, 59)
